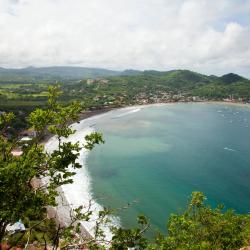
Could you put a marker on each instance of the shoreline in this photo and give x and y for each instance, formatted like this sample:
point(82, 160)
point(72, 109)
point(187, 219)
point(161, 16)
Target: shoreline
point(91, 113)
point(61, 212)
point(78, 193)
point(82, 116)
point(239, 104)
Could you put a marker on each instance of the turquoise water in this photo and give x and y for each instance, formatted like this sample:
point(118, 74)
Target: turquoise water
point(156, 157)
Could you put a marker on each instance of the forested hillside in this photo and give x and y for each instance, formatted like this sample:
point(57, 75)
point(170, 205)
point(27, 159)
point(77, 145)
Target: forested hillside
point(52, 73)
point(21, 90)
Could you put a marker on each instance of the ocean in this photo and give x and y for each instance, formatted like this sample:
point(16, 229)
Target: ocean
point(155, 156)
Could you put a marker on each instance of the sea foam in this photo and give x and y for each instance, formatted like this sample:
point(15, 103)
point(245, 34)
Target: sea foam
point(230, 149)
point(130, 111)
point(79, 192)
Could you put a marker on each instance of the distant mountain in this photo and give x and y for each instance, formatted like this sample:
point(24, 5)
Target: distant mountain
point(58, 73)
point(175, 79)
point(182, 78)
point(130, 72)
point(187, 82)
point(121, 87)
point(231, 78)
point(178, 79)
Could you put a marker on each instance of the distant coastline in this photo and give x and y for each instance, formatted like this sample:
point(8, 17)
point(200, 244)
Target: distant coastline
point(91, 113)
point(241, 104)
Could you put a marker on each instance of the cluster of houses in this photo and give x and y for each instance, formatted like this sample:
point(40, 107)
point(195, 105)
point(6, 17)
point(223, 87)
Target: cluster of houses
point(164, 97)
point(231, 98)
point(110, 100)
point(97, 80)
point(144, 98)
point(24, 138)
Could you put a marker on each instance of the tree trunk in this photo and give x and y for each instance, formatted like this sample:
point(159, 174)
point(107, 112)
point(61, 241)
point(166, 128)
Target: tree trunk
point(3, 226)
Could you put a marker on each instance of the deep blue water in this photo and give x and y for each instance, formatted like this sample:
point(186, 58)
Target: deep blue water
point(156, 157)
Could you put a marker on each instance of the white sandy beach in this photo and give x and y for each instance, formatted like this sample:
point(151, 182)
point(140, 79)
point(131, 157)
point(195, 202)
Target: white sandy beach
point(79, 193)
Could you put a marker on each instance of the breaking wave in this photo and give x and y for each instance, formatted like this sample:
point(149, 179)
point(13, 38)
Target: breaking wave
point(80, 192)
point(127, 113)
point(230, 149)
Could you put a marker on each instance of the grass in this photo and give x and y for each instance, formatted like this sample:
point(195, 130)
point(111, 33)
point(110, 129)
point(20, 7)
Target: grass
point(43, 94)
point(13, 85)
point(9, 94)
point(17, 90)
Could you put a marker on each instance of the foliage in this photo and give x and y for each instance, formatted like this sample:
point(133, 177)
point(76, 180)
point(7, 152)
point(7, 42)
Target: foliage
point(23, 197)
point(20, 198)
point(130, 238)
point(202, 227)
point(53, 74)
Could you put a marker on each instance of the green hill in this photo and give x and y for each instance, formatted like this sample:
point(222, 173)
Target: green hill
point(33, 74)
point(117, 88)
point(21, 90)
point(232, 78)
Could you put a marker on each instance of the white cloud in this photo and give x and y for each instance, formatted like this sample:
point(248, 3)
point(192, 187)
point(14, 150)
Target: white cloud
point(205, 35)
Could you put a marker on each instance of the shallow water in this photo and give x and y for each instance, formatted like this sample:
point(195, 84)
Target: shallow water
point(155, 157)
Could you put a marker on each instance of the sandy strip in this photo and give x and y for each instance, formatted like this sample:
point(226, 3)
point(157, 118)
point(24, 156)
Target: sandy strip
point(79, 192)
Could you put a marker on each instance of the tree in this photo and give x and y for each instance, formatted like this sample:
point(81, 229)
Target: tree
point(19, 198)
point(202, 227)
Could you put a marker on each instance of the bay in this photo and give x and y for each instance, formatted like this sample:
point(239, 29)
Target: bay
point(154, 157)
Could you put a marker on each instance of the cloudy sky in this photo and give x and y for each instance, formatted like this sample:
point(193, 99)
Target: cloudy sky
point(208, 36)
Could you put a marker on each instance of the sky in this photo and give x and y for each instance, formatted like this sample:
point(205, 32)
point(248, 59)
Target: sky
point(207, 36)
